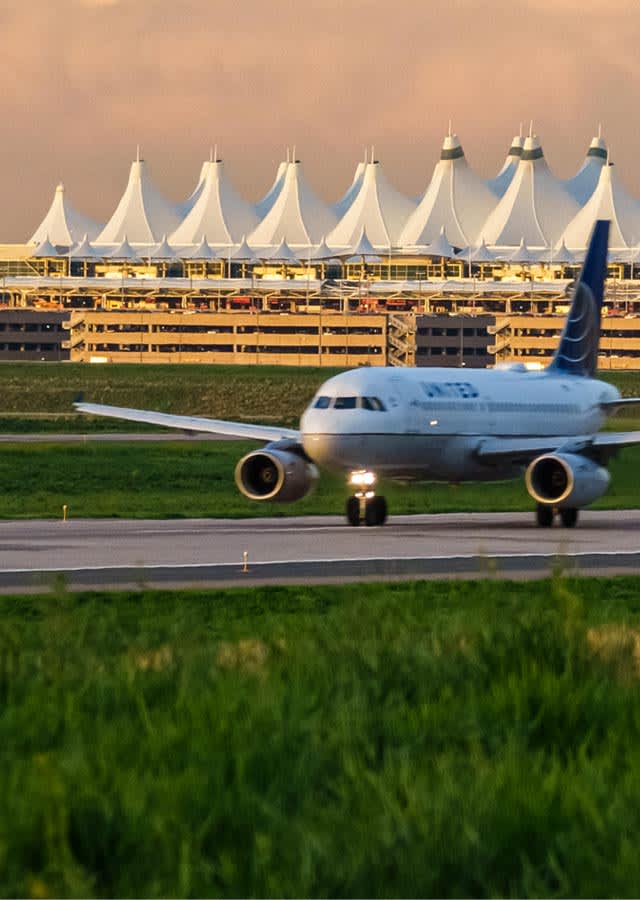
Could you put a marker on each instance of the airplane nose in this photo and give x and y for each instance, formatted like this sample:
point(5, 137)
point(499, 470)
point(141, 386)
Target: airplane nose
point(335, 451)
point(320, 447)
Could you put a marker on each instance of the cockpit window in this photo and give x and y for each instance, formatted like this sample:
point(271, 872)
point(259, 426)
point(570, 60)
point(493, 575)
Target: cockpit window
point(373, 403)
point(345, 403)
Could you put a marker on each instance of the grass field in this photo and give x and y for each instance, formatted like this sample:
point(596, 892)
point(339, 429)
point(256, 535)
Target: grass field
point(461, 739)
point(195, 479)
point(37, 397)
point(44, 394)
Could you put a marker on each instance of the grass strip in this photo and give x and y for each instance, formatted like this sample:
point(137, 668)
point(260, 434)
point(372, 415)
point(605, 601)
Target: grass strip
point(418, 739)
point(196, 480)
point(33, 391)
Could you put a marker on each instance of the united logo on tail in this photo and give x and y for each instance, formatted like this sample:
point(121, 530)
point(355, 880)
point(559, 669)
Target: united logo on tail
point(577, 353)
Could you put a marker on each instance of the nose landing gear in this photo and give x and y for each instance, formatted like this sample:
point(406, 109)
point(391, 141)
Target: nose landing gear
point(364, 507)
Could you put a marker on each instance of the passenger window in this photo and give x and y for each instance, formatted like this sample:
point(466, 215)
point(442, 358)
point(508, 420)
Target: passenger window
point(322, 403)
point(345, 403)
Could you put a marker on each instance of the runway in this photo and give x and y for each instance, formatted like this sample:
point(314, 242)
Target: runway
point(106, 553)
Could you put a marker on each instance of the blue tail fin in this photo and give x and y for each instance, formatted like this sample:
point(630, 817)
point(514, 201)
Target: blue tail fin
point(577, 353)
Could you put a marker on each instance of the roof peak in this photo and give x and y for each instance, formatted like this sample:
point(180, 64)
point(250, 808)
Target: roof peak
point(451, 147)
point(532, 149)
point(598, 146)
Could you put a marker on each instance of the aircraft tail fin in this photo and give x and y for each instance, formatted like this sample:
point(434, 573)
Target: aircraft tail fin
point(577, 353)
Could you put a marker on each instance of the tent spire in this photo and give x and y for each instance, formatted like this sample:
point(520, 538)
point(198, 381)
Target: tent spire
point(215, 153)
point(138, 153)
point(373, 154)
point(449, 133)
point(599, 130)
point(288, 160)
point(520, 129)
point(531, 128)
point(293, 155)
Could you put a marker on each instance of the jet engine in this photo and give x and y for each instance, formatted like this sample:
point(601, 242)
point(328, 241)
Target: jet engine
point(566, 480)
point(275, 474)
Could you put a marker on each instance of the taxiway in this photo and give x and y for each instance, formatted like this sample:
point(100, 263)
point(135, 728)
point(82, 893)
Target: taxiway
point(35, 554)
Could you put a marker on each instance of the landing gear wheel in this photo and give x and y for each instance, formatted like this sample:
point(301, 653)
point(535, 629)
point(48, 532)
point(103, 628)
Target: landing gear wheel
point(353, 511)
point(376, 511)
point(544, 516)
point(569, 517)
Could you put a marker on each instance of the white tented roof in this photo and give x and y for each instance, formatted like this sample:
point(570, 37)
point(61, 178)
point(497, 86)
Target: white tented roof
point(363, 246)
point(62, 224)
point(351, 193)
point(481, 254)
point(45, 249)
point(202, 252)
point(501, 182)
point(85, 250)
point(283, 253)
point(322, 251)
point(609, 201)
point(143, 214)
point(378, 207)
point(456, 199)
point(124, 251)
point(523, 255)
point(535, 208)
point(219, 214)
point(584, 182)
point(163, 251)
point(185, 207)
point(297, 216)
point(244, 253)
point(263, 206)
point(563, 255)
point(441, 246)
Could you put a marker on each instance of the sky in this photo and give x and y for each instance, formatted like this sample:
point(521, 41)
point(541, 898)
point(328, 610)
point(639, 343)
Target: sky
point(86, 81)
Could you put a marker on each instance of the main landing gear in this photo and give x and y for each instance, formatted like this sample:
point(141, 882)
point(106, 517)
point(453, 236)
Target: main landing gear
point(364, 507)
point(545, 515)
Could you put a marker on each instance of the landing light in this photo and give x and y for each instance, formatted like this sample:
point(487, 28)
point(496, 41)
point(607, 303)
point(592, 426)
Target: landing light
point(363, 478)
point(433, 422)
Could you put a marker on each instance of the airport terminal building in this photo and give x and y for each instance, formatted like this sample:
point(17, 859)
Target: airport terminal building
point(472, 272)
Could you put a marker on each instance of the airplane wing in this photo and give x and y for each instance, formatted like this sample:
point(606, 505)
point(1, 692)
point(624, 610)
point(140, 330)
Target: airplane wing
point(612, 406)
point(191, 423)
point(523, 450)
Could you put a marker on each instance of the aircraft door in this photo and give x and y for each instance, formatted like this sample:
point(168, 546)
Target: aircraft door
point(408, 407)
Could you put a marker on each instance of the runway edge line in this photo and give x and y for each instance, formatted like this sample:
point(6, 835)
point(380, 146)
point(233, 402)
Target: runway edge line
point(319, 569)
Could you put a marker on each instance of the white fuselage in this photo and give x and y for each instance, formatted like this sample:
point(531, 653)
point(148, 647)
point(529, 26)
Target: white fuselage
point(428, 423)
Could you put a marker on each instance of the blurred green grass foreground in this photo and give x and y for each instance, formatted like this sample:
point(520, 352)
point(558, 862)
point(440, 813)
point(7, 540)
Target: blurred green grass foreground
point(418, 739)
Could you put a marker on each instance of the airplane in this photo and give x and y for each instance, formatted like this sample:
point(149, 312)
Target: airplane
point(454, 425)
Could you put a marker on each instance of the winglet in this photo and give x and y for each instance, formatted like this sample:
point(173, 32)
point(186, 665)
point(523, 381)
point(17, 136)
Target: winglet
point(577, 353)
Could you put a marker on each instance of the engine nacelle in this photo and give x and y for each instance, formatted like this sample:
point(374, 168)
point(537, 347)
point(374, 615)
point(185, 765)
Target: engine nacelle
point(273, 474)
point(566, 480)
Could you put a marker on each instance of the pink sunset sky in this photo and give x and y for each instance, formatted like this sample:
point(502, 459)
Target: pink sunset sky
point(85, 81)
